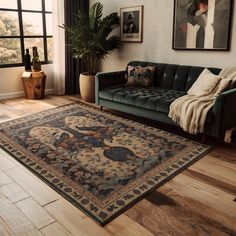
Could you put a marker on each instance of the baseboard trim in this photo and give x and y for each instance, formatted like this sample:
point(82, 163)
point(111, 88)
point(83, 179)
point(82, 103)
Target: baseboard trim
point(21, 94)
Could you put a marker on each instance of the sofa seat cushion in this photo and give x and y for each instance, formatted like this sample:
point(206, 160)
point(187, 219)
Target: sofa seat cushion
point(152, 98)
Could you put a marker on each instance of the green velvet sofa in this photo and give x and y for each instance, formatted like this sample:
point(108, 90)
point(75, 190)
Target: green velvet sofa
point(171, 81)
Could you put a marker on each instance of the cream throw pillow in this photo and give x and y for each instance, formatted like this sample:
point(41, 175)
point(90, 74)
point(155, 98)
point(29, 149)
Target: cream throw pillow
point(204, 84)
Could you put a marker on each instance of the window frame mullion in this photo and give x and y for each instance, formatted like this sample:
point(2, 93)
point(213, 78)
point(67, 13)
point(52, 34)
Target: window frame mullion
point(44, 32)
point(21, 30)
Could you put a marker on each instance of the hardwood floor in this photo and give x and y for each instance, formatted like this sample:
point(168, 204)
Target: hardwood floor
point(198, 201)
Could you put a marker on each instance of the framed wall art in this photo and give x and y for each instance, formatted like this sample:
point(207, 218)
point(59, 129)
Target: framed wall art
point(202, 24)
point(131, 24)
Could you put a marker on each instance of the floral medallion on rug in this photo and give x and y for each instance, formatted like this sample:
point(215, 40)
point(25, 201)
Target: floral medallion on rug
point(100, 162)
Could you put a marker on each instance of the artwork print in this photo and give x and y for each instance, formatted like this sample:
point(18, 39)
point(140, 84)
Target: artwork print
point(201, 24)
point(131, 24)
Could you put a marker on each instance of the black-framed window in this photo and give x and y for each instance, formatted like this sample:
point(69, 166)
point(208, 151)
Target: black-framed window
point(25, 24)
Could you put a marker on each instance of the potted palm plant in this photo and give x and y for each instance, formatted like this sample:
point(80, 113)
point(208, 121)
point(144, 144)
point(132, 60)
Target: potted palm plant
point(90, 40)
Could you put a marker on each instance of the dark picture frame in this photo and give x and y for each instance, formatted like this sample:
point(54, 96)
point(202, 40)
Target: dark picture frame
point(202, 25)
point(131, 19)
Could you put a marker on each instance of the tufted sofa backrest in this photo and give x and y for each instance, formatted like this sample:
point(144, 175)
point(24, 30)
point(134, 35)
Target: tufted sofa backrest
point(176, 77)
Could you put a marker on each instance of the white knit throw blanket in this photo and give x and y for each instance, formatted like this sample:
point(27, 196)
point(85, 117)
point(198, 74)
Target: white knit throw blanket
point(190, 111)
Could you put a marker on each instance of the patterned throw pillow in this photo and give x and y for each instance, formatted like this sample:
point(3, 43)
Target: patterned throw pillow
point(140, 76)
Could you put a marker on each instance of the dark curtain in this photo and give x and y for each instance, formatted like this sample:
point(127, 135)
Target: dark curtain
point(73, 67)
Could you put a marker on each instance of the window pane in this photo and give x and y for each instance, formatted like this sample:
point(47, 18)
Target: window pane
point(35, 42)
point(48, 5)
point(49, 24)
point(9, 24)
point(32, 5)
point(11, 4)
point(50, 49)
point(10, 51)
point(32, 23)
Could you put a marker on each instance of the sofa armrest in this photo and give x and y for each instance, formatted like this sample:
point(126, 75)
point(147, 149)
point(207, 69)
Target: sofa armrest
point(224, 110)
point(108, 79)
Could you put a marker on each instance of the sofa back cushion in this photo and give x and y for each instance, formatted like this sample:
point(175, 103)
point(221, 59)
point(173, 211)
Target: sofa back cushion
point(172, 76)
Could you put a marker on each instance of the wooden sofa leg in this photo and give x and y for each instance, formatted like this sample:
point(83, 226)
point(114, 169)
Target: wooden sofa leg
point(101, 107)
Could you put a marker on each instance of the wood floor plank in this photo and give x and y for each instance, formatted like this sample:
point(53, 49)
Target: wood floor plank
point(55, 229)
point(14, 192)
point(6, 163)
point(212, 181)
point(41, 192)
point(228, 155)
point(173, 214)
point(4, 179)
point(221, 170)
point(37, 215)
point(205, 194)
point(14, 219)
point(4, 229)
point(74, 220)
point(118, 227)
point(8, 158)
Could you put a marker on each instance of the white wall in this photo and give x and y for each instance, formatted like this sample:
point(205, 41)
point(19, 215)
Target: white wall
point(157, 39)
point(11, 84)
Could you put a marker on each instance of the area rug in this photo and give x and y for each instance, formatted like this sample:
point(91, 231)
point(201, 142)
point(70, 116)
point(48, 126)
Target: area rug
point(100, 162)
